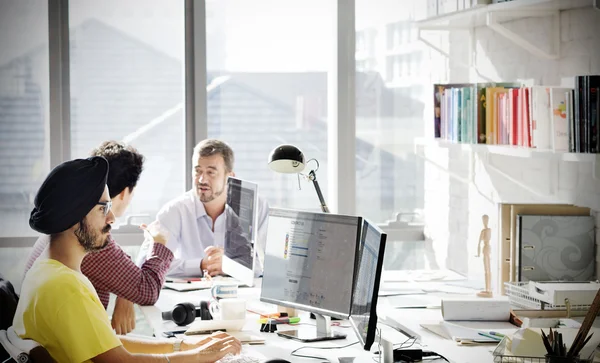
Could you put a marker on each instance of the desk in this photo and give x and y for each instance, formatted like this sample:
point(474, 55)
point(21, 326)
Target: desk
point(277, 347)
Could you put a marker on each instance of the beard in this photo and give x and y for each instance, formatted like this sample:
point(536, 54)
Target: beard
point(209, 195)
point(89, 239)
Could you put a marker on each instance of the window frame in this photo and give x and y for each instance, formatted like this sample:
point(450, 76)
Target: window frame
point(341, 98)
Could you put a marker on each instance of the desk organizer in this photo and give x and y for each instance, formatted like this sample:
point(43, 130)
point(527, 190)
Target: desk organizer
point(501, 357)
point(519, 297)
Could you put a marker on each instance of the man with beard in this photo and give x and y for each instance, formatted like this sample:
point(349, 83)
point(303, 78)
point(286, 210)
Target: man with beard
point(110, 269)
point(59, 307)
point(196, 222)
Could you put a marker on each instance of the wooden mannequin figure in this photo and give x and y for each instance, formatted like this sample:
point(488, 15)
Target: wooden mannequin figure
point(485, 236)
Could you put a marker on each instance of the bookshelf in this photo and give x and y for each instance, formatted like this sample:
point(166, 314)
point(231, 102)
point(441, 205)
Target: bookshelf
point(514, 10)
point(512, 151)
point(494, 15)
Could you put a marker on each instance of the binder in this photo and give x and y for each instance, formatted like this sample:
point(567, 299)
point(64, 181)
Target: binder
point(556, 248)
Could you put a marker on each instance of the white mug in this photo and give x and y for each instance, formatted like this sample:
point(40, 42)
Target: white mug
point(224, 290)
point(228, 309)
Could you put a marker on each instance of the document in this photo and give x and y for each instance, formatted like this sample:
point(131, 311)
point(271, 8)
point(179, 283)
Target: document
point(476, 309)
point(462, 334)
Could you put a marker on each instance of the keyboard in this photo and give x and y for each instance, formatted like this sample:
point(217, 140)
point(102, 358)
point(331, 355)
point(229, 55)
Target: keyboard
point(242, 358)
point(248, 355)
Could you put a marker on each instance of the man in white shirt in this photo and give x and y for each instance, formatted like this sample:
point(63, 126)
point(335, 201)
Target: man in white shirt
point(196, 222)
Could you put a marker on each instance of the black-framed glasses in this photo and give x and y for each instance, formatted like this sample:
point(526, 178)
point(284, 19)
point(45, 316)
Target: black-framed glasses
point(106, 206)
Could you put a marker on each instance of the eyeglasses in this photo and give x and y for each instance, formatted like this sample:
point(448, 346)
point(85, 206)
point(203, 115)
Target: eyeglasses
point(106, 207)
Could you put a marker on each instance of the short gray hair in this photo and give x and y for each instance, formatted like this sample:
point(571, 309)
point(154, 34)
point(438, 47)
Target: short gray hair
point(210, 147)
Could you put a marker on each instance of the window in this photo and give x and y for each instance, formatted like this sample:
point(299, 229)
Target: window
point(389, 116)
point(127, 74)
point(24, 111)
point(267, 75)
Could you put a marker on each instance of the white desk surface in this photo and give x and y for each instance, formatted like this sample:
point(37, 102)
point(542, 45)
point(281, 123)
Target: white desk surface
point(277, 347)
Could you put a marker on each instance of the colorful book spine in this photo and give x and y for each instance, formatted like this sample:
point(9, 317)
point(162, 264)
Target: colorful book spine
point(559, 118)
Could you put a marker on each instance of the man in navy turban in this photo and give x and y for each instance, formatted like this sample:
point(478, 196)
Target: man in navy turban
point(59, 307)
point(68, 194)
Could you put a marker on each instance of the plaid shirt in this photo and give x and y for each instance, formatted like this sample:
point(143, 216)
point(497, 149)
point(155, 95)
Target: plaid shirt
point(111, 270)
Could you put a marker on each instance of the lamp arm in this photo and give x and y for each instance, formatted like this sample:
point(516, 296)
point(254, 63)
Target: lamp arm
point(313, 177)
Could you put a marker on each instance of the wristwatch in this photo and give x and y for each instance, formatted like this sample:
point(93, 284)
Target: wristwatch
point(177, 345)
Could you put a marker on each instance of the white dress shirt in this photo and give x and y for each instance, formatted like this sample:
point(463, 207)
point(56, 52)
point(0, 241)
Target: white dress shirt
point(190, 232)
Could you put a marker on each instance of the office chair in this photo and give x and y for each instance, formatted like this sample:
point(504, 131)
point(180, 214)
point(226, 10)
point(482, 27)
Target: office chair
point(23, 350)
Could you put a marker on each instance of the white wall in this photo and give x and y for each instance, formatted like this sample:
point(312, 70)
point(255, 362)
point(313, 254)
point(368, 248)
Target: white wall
point(460, 185)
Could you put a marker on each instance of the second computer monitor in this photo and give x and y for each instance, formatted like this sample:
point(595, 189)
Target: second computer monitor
point(240, 231)
point(363, 317)
point(309, 261)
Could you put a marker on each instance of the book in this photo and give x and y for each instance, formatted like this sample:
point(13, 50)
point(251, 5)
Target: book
point(441, 110)
point(594, 139)
point(541, 122)
point(465, 113)
point(558, 118)
point(585, 114)
point(491, 120)
point(570, 120)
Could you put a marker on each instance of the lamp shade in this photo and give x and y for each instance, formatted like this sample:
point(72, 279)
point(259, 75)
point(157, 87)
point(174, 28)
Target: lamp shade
point(286, 159)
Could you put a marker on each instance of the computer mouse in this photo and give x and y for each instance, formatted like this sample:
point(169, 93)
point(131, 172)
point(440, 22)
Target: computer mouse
point(276, 360)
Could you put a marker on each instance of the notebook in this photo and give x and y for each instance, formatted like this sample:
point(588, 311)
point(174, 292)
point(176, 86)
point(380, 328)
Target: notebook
point(188, 286)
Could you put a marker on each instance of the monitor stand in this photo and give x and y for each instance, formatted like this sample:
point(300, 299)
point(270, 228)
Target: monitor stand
point(323, 331)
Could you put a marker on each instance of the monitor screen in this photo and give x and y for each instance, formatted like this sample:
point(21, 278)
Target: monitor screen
point(309, 261)
point(363, 316)
point(240, 230)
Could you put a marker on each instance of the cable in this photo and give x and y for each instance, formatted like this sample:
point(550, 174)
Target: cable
point(294, 354)
point(401, 345)
point(427, 353)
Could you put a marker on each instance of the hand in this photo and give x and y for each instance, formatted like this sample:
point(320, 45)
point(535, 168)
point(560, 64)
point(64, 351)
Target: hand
point(213, 262)
point(123, 318)
point(217, 348)
point(154, 232)
point(199, 344)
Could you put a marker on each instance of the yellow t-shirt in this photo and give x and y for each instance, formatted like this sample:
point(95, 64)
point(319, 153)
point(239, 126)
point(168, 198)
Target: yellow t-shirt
point(60, 310)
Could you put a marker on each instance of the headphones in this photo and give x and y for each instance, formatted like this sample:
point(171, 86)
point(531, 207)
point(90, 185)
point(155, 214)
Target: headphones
point(185, 313)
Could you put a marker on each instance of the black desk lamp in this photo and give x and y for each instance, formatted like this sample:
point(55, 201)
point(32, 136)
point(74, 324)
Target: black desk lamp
point(290, 160)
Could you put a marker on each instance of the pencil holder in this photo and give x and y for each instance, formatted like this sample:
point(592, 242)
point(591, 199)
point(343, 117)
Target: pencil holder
point(559, 359)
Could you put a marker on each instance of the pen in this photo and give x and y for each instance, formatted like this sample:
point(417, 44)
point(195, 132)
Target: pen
point(293, 320)
point(497, 334)
point(490, 336)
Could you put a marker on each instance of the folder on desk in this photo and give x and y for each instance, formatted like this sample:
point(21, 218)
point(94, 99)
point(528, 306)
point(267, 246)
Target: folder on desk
point(189, 286)
point(463, 335)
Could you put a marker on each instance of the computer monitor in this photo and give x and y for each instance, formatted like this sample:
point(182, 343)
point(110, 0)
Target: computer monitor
point(363, 315)
point(240, 230)
point(309, 265)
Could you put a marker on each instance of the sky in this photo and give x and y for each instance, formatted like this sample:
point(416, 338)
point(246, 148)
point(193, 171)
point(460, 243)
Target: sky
point(243, 35)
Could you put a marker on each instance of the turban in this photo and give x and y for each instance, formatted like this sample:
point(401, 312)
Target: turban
point(68, 194)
